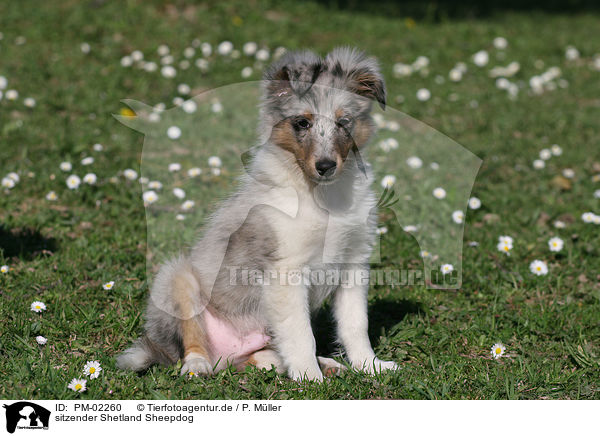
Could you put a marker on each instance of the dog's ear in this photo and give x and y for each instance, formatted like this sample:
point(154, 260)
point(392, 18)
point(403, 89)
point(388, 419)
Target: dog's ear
point(360, 72)
point(295, 72)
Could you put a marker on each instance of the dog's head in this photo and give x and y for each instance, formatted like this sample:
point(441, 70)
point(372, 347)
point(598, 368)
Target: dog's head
point(318, 109)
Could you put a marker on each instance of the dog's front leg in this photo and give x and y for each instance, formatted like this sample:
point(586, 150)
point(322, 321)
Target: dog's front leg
point(350, 309)
point(287, 310)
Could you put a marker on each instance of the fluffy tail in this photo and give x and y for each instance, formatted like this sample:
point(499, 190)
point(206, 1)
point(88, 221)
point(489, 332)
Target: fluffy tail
point(142, 354)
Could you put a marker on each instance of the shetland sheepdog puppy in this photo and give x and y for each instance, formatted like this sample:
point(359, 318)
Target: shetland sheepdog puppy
point(304, 207)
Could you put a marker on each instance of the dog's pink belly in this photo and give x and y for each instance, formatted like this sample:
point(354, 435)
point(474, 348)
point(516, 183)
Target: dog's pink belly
point(228, 345)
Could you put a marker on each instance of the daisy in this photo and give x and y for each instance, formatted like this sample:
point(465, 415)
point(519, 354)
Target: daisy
point(150, 67)
point(596, 219)
point(504, 247)
point(215, 171)
point(500, 43)
point(439, 193)
point(168, 71)
point(559, 224)
point(424, 253)
point(137, 55)
point(41, 340)
point(458, 216)
point(11, 94)
point(4, 269)
point(262, 55)
point(179, 193)
point(187, 205)
point(216, 107)
point(481, 58)
point(13, 176)
point(143, 180)
point(246, 72)
point(98, 147)
point(250, 48)
point(189, 52)
point(568, 173)
point(214, 161)
point(388, 181)
point(38, 306)
point(414, 162)
point(556, 244)
point(545, 154)
point(571, 53)
point(597, 193)
point(202, 64)
point(77, 385)
point(225, 48)
point(130, 174)
point(8, 183)
point(206, 49)
point(410, 228)
point(506, 240)
point(155, 184)
point(194, 172)
point(3, 82)
point(423, 94)
point(556, 150)
point(381, 230)
point(173, 132)
point(73, 181)
point(92, 368)
point(588, 217)
point(149, 197)
point(87, 161)
point(184, 89)
point(189, 106)
point(455, 75)
point(163, 50)
point(179, 217)
point(446, 268)
point(51, 196)
point(174, 167)
point(474, 203)
point(90, 179)
point(498, 350)
point(434, 166)
point(29, 102)
point(538, 267)
point(126, 61)
point(108, 285)
point(539, 164)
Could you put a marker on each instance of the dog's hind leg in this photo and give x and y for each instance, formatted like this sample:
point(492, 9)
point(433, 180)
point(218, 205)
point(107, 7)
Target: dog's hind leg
point(187, 297)
point(196, 359)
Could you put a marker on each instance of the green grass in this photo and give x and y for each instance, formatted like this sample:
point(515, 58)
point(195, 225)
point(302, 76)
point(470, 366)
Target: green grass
point(62, 252)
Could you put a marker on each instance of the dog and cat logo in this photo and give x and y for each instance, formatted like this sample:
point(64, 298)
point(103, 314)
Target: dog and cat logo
point(26, 415)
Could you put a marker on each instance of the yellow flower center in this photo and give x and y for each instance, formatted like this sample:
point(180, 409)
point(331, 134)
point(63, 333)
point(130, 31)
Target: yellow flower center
point(498, 350)
point(37, 307)
point(539, 268)
point(192, 373)
point(92, 370)
point(78, 386)
point(506, 248)
point(109, 285)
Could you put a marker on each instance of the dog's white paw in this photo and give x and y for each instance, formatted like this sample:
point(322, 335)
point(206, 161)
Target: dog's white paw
point(376, 365)
point(329, 366)
point(195, 366)
point(311, 374)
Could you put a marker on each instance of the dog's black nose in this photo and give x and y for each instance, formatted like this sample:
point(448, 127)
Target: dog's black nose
point(325, 166)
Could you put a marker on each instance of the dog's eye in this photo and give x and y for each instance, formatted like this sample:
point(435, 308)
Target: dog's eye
point(343, 122)
point(302, 123)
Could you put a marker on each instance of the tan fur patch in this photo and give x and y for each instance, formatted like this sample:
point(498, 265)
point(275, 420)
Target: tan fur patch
point(362, 132)
point(194, 339)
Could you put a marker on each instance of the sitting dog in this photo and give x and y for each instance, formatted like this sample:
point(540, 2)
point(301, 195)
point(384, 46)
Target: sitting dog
point(305, 205)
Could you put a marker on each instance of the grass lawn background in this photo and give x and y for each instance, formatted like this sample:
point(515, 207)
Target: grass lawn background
point(61, 252)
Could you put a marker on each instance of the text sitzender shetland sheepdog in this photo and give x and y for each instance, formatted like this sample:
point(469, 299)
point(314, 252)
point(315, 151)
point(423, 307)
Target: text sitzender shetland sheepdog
point(306, 205)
